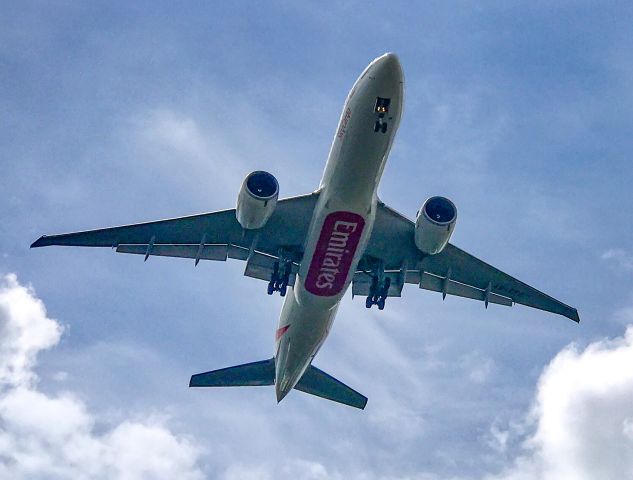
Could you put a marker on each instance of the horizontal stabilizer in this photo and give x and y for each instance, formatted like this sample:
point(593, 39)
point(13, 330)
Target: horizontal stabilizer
point(316, 382)
point(249, 374)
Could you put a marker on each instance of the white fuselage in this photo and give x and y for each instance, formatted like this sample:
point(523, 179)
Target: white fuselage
point(343, 217)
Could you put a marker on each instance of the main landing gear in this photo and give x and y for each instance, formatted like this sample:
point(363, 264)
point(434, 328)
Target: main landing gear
point(280, 277)
point(378, 292)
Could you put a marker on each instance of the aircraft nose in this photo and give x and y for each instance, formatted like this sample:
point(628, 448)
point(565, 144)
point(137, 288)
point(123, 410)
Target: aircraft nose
point(388, 66)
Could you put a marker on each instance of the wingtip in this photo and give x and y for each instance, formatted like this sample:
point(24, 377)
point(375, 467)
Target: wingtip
point(40, 242)
point(573, 315)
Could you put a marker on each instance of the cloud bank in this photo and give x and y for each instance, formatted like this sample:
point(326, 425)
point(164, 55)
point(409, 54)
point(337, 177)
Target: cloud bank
point(583, 414)
point(56, 436)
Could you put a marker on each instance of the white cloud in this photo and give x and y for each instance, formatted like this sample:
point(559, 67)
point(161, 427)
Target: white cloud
point(24, 331)
point(194, 148)
point(181, 149)
point(478, 366)
point(548, 214)
point(180, 134)
point(303, 469)
point(56, 436)
point(582, 415)
point(620, 257)
point(624, 315)
point(310, 470)
point(461, 118)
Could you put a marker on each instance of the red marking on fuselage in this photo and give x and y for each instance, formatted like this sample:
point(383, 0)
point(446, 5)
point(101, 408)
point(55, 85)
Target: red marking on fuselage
point(334, 253)
point(344, 122)
point(281, 331)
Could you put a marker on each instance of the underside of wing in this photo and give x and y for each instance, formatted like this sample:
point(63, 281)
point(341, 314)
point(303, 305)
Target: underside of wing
point(210, 236)
point(451, 272)
point(464, 267)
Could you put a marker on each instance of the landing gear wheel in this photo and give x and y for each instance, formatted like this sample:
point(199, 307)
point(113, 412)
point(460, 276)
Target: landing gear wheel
point(271, 288)
point(282, 290)
point(384, 128)
point(381, 303)
point(368, 302)
point(376, 126)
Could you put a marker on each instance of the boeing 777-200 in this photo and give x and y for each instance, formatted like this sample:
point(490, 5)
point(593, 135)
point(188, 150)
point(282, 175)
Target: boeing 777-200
point(310, 248)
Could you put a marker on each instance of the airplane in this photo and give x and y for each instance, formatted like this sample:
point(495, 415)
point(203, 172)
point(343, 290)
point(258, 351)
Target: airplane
point(311, 248)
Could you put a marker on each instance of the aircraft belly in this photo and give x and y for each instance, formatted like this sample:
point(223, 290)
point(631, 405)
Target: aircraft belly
point(301, 332)
point(333, 250)
point(332, 254)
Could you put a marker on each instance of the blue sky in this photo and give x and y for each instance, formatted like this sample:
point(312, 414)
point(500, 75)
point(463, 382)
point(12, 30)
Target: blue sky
point(521, 113)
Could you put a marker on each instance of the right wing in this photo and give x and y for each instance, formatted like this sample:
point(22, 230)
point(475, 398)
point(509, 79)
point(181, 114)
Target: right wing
point(209, 236)
point(452, 271)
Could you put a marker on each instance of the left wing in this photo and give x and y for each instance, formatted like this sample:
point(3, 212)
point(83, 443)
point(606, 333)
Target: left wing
point(452, 271)
point(209, 236)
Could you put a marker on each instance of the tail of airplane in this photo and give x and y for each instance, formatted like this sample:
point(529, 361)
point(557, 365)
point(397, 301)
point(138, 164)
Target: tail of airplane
point(314, 381)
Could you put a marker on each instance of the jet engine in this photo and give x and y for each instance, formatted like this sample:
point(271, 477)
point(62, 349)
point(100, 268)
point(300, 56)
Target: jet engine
point(434, 225)
point(257, 200)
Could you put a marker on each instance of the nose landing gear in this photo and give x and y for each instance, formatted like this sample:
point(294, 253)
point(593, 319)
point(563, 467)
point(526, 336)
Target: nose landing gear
point(380, 126)
point(381, 108)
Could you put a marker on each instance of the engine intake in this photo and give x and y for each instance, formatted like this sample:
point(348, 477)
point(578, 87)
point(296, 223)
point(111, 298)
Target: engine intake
point(257, 200)
point(434, 225)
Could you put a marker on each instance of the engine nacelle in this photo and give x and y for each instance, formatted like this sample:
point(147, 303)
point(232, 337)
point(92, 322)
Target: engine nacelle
point(434, 225)
point(257, 200)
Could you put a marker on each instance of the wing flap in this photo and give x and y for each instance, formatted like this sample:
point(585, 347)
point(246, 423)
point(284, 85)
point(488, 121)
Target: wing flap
point(451, 287)
point(207, 252)
point(261, 266)
point(361, 284)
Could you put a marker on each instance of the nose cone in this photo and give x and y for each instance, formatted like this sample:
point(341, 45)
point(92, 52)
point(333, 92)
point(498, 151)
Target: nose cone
point(388, 67)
